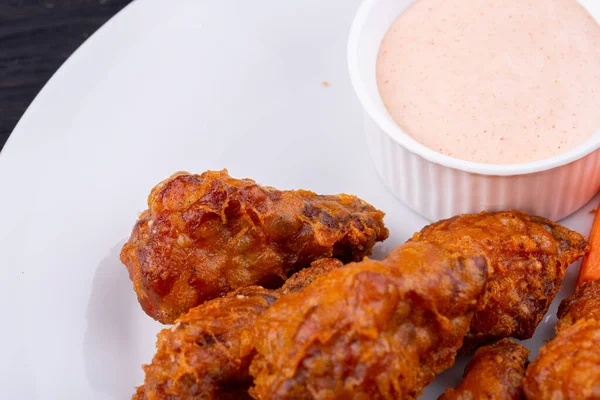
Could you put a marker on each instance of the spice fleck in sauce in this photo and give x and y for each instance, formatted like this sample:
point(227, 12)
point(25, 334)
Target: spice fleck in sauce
point(493, 81)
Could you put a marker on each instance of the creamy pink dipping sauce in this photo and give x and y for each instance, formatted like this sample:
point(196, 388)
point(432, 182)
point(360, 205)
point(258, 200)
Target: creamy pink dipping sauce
point(493, 81)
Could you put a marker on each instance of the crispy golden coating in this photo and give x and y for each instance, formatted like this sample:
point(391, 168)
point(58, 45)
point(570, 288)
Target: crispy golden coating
point(206, 235)
point(528, 255)
point(370, 330)
point(207, 353)
point(495, 372)
point(585, 304)
point(305, 277)
point(568, 367)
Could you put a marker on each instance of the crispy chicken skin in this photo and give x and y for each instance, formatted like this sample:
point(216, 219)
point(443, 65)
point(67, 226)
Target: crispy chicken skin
point(207, 353)
point(528, 256)
point(494, 373)
point(585, 304)
point(568, 366)
point(206, 235)
point(373, 329)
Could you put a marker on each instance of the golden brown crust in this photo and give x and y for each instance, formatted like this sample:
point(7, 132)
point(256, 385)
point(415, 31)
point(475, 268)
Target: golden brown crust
point(206, 235)
point(494, 373)
point(568, 367)
point(306, 276)
point(528, 255)
point(374, 329)
point(207, 353)
point(207, 350)
point(584, 304)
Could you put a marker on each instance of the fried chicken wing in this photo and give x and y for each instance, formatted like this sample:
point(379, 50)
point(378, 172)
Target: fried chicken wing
point(528, 255)
point(568, 366)
point(207, 353)
point(206, 235)
point(585, 304)
point(494, 373)
point(373, 329)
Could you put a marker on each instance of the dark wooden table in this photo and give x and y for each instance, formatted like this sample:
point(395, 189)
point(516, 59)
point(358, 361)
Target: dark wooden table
point(36, 37)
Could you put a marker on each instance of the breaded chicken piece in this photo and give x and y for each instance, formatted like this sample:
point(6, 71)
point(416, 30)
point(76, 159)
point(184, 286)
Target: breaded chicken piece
point(370, 330)
point(206, 235)
point(585, 304)
point(568, 366)
point(495, 372)
point(207, 353)
point(529, 257)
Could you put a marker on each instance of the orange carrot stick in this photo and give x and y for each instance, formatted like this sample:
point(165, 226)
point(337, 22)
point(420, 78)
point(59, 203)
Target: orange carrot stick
point(590, 267)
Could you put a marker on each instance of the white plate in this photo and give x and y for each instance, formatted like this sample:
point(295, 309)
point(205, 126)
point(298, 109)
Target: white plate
point(166, 86)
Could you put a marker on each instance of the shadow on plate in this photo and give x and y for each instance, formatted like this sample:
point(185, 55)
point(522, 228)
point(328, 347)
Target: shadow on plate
point(119, 336)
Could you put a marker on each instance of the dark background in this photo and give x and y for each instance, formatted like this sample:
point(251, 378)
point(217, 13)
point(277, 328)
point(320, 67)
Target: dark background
point(36, 37)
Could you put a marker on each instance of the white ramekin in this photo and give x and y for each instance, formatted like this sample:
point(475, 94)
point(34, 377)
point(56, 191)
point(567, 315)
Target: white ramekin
point(438, 186)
